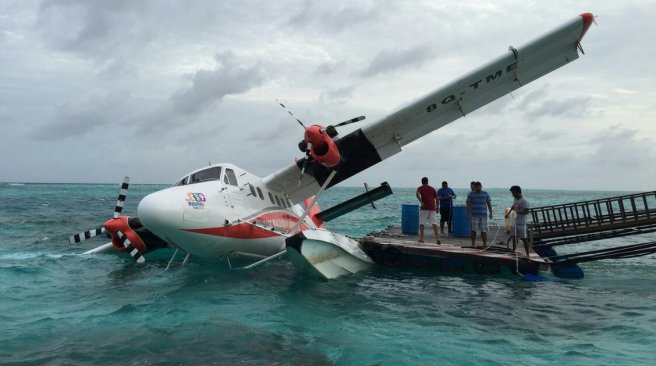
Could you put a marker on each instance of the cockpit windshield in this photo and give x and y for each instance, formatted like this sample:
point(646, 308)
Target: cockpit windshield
point(213, 173)
point(205, 175)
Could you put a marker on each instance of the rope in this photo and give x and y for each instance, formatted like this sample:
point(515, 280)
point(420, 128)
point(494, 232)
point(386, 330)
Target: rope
point(493, 240)
point(515, 250)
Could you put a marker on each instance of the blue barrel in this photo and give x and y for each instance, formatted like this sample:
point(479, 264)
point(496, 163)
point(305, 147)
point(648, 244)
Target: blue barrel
point(410, 219)
point(459, 224)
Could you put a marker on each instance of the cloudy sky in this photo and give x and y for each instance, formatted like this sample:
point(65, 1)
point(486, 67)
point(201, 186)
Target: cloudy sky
point(91, 91)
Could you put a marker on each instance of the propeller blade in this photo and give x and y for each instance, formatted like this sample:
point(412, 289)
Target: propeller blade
point(356, 119)
point(134, 252)
point(291, 114)
point(78, 238)
point(121, 197)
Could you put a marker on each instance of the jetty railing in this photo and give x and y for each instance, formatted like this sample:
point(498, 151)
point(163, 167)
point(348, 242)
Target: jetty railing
point(613, 214)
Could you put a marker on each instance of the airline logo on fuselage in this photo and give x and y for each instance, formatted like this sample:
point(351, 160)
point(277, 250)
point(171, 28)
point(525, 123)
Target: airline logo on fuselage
point(196, 200)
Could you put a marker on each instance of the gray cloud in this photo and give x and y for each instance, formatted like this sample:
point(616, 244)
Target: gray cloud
point(329, 67)
point(391, 60)
point(331, 16)
point(573, 107)
point(546, 102)
point(93, 27)
point(82, 116)
point(622, 151)
point(547, 135)
point(338, 95)
point(207, 88)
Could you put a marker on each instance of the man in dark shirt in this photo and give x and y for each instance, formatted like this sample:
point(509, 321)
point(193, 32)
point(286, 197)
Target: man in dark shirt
point(445, 195)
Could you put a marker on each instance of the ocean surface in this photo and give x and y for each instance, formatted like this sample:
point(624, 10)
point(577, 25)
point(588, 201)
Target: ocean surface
point(58, 307)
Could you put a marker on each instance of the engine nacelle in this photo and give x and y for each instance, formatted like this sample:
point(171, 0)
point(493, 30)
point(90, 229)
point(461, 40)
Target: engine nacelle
point(113, 226)
point(322, 147)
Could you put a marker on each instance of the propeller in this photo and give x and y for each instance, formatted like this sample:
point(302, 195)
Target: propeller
point(353, 120)
point(291, 114)
point(78, 238)
point(121, 197)
point(111, 225)
point(134, 252)
point(331, 129)
point(325, 151)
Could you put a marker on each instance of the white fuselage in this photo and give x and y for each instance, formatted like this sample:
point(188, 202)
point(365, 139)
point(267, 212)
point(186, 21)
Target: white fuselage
point(221, 210)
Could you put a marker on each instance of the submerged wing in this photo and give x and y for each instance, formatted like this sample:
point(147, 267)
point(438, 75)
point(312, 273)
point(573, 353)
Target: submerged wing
point(378, 141)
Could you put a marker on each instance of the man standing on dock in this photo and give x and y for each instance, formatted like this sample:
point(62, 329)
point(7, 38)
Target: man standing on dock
point(520, 206)
point(445, 195)
point(427, 196)
point(476, 202)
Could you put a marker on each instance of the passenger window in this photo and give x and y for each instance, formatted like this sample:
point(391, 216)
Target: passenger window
point(271, 198)
point(230, 177)
point(213, 173)
point(252, 189)
point(259, 193)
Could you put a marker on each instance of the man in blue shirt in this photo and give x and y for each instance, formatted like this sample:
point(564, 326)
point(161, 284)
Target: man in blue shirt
point(445, 196)
point(476, 202)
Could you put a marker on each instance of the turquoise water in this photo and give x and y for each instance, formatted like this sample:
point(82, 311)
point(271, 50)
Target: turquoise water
point(61, 308)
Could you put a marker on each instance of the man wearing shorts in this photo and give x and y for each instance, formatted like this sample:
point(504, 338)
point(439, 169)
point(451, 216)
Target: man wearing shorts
point(476, 212)
point(427, 196)
point(520, 206)
point(445, 195)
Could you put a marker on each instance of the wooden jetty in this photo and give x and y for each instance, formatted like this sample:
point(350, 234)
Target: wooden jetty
point(549, 226)
point(391, 247)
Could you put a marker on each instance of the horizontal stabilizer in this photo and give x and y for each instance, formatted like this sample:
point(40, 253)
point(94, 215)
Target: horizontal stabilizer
point(356, 202)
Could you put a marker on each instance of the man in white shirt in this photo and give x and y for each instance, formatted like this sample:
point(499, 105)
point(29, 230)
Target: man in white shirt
point(520, 206)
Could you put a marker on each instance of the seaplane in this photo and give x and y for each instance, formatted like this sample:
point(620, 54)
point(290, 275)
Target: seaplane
point(224, 211)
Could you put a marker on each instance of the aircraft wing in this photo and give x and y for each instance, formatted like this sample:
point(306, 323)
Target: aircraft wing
point(378, 141)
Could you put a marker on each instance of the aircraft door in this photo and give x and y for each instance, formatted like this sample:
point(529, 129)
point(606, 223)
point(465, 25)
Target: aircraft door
point(233, 195)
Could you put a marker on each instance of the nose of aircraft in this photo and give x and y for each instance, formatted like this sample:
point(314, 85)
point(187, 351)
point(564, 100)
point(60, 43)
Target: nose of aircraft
point(158, 212)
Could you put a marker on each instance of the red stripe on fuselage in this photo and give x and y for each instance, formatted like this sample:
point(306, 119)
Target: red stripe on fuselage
point(247, 230)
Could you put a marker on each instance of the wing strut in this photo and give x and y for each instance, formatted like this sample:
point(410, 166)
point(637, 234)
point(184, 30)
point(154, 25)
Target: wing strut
point(314, 200)
point(578, 45)
point(265, 260)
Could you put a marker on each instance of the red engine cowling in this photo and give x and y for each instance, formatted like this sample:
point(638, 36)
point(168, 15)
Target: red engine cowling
point(113, 226)
point(323, 148)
